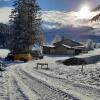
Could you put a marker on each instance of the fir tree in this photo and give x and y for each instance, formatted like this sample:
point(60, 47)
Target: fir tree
point(96, 17)
point(26, 22)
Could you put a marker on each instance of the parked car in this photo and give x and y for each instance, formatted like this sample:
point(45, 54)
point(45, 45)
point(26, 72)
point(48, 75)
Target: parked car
point(10, 57)
point(74, 61)
point(36, 54)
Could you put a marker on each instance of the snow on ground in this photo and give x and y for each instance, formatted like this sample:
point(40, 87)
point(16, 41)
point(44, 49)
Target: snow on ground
point(54, 58)
point(23, 81)
point(4, 53)
point(91, 57)
point(90, 74)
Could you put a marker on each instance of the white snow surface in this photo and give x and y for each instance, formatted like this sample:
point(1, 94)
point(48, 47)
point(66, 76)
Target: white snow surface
point(4, 53)
point(23, 81)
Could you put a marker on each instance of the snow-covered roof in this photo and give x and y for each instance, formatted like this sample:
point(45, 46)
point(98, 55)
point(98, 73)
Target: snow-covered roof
point(68, 42)
point(72, 47)
point(66, 46)
point(49, 46)
point(78, 46)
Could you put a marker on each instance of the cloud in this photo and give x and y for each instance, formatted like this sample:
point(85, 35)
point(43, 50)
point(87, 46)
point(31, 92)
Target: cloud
point(54, 19)
point(66, 19)
point(4, 14)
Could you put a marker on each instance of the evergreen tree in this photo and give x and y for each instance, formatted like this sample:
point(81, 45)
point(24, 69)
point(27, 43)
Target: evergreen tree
point(96, 17)
point(26, 22)
point(5, 32)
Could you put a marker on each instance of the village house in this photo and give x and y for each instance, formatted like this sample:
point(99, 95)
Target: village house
point(64, 47)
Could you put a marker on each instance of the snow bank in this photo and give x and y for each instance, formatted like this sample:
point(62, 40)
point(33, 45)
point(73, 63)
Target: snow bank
point(91, 57)
point(4, 53)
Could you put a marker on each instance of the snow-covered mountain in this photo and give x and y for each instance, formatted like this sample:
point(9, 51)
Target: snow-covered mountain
point(75, 33)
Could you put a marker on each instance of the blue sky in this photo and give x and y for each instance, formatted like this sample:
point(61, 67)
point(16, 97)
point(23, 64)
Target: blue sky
point(6, 3)
point(65, 5)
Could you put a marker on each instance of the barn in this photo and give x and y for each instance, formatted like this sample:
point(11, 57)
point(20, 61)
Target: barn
point(64, 47)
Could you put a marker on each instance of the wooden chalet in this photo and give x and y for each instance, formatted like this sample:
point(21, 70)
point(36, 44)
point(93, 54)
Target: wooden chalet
point(64, 47)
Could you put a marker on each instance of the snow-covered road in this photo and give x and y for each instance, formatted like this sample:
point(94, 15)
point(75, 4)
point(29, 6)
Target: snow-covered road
point(39, 87)
point(25, 82)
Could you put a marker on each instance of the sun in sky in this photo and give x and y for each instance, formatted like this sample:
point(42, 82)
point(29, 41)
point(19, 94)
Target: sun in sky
point(84, 12)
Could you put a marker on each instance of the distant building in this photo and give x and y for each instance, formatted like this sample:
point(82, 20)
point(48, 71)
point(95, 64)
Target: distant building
point(64, 47)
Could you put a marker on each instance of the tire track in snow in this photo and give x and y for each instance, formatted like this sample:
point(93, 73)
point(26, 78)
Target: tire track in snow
point(86, 91)
point(29, 95)
point(43, 89)
point(77, 85)
point(4, 86)
point(15, 92)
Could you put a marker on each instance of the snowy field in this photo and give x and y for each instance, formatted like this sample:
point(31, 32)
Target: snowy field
point(23, 81)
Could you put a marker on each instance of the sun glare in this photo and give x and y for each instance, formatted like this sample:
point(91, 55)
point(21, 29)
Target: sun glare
point(84, 13)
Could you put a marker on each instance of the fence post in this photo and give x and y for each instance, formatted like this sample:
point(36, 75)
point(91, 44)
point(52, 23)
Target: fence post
point(82, 68)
